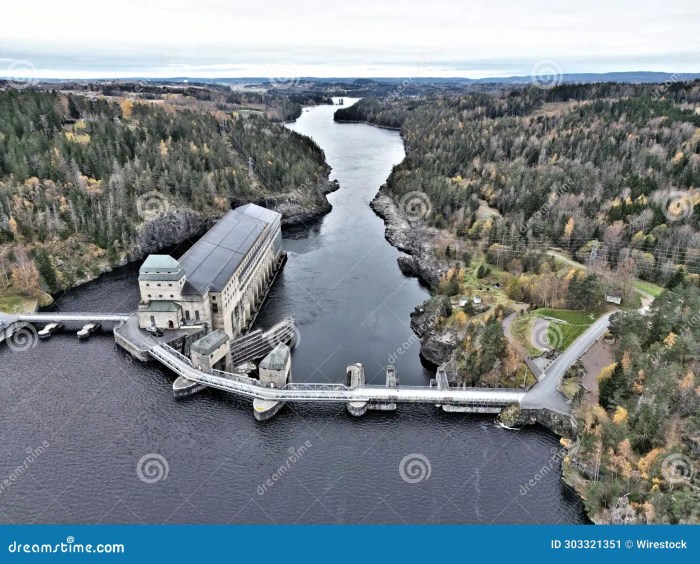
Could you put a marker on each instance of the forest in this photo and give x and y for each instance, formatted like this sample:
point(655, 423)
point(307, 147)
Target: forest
point(640, 446)
point(605, 170)
point(80, 176)
point(609, 175)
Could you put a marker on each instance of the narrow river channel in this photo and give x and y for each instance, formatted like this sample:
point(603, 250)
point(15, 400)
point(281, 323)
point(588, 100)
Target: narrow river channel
point(96, 414)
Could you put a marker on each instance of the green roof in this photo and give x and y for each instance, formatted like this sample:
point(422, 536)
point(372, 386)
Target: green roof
point(160, 262)
point(209, 343)
point(161, 267)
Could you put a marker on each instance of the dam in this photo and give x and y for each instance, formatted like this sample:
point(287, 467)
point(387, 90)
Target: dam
point(130, 410)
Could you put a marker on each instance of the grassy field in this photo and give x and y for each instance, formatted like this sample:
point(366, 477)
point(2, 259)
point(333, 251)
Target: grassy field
point(11, 304)
point(561, 335)
point(521, 329)
point(648, 287)
point(573, 317)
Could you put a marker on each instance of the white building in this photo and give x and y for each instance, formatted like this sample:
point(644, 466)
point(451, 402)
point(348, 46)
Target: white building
point(220, 280)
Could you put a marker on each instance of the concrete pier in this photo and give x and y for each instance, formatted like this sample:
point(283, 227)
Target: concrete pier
point(391, 384)
point(182, 387)
point(275, 371)
point(355, 379)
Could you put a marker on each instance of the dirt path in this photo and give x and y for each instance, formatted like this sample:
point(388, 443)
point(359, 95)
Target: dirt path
point(598, 357)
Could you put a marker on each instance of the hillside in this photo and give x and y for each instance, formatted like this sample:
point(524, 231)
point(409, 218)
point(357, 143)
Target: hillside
point(87, 183)
point(607, 170)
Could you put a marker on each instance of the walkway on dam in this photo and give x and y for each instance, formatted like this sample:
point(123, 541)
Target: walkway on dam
point(543, 395)
point(249, 387)
point(64, 316)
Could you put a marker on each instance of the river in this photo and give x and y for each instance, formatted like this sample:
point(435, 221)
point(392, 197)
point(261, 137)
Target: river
point(93, 419)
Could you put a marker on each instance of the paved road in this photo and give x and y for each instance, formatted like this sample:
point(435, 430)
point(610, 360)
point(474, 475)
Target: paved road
point(545, 394)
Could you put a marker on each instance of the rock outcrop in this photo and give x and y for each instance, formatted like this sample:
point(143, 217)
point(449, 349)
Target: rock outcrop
point(167, 229)
point(436, 346)
point(514, 417)
point(420, 261)
point(409, 238)
point(297, 207)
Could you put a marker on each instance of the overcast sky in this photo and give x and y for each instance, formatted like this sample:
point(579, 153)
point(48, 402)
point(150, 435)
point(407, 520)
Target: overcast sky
point(232, 38)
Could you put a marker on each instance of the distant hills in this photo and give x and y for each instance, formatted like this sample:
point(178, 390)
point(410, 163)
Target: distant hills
point(581, 78)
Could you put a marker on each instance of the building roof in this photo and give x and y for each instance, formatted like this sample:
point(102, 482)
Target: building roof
point(160, 267)
point(258, 212)
point(209, 343)
point(211, 261)
point(161, 306)
point(277, 359)
point(159, 262)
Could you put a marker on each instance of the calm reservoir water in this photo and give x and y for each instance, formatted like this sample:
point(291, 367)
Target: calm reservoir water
point(105, 431)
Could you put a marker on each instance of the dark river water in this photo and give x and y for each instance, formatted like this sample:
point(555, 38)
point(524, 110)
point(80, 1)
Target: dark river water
point(109, 444)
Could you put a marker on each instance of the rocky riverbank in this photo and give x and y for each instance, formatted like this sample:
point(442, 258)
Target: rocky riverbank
point(296, 207)
point(412, 238)
point(420, 260)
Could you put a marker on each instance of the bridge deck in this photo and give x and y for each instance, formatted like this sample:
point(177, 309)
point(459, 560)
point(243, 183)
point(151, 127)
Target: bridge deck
point(338, 393)
point(66, 316)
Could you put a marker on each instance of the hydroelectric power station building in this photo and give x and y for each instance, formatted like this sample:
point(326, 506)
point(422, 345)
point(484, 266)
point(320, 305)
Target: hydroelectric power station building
point(220, 281)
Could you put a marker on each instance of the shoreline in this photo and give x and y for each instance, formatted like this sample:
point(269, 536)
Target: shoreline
point(187, 223)
point(368, 123)
point(420, 261)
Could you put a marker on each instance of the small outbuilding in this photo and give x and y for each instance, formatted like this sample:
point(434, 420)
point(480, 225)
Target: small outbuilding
point(274, 370)
point(209, 350)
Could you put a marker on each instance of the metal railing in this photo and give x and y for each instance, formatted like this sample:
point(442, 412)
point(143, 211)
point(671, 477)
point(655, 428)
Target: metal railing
point(243, 385)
